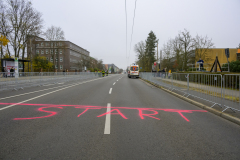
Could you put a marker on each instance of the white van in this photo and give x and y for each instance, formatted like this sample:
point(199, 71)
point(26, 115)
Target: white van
point(133, 71)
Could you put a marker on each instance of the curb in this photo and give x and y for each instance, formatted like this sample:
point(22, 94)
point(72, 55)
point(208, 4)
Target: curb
point(209, 109)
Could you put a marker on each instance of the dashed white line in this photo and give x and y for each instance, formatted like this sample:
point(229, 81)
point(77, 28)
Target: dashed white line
point(110, 91)
point(114, 83)
point(108, 120)
point(48, 84)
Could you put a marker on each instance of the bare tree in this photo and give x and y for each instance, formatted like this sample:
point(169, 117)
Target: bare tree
point(177, 49)
point(167, 54)
point(5, 28)
point(100, 64)
point(187, 43)
point(24, 21)
point(139, 48)
point(54, 35)
point(83, 62)
point(32, 27)
point(202, 46)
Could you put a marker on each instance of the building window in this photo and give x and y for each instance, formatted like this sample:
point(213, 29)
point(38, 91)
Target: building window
point(47, 58)
point(61, 67)
point(55, 51)
point(46, 44)
point(42, 44)
point(61, 59)
point(60, 51)
point(56, 44)
point(56, 67)
point(52, 44)
point(56, 59)
point(37, 51)
point(60, 44)
point(37, 45)
point(51, 59)
point(51, 51)
point(47, 51)
point(42, 51)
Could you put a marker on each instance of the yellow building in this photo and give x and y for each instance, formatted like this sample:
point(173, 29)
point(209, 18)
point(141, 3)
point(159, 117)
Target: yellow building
point(209, 56)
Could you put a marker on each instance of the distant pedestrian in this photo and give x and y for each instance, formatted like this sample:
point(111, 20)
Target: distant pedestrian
point(163, 73)
point(11, 72)
point(169, 73)
point(5, 71)
point(201, 64)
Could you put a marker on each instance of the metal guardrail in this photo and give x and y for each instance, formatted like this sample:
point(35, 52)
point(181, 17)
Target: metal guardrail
point(31, 79)
point(219, 90)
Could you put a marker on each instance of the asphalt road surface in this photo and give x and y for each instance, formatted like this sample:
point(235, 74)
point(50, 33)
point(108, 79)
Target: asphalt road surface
point(112, 117)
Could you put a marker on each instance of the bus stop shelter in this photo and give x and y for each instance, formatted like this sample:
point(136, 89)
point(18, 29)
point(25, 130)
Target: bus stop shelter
point(10, 62)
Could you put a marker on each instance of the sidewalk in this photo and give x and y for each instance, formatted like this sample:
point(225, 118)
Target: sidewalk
point(211, 88)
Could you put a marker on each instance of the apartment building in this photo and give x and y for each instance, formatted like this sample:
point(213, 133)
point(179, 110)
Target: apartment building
point(65, 55)
point(111, 68)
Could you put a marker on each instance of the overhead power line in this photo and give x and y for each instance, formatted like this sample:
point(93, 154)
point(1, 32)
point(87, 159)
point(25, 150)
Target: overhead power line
point(126, 25)
point(132, 27)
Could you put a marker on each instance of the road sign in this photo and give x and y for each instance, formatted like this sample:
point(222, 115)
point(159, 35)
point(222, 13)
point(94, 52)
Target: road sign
point(155, 63)
point(140, 67)
point(227, 52)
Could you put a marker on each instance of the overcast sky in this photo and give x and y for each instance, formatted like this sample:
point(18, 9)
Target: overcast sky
point(100, 25)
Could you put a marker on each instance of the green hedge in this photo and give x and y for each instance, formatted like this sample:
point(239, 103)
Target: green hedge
point(234, 66)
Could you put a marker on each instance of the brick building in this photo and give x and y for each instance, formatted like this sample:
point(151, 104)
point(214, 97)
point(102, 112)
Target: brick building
point(65, 55)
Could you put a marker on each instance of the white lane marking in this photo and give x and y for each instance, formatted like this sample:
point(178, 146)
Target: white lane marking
point(114, 83)
point(44, 90)
point(48, 84)
point(108, 120)
point(42, 95)
point(117, 80)
point(110, 91)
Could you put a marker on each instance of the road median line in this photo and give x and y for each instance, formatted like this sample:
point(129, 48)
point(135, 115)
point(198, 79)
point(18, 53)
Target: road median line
point(209, 109)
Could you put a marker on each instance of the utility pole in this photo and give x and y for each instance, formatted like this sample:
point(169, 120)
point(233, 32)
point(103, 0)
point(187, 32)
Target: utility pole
point(160, 59)
point(157, 56)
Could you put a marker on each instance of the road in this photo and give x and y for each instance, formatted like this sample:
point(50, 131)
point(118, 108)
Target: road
point(110, 118)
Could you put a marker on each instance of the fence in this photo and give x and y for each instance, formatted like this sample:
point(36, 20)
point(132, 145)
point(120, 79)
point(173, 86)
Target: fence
point(216, 89)
point(30, 79)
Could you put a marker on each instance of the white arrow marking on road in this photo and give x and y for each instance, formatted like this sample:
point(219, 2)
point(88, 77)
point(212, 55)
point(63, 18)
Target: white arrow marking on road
point(108, 119)
point(110, 91)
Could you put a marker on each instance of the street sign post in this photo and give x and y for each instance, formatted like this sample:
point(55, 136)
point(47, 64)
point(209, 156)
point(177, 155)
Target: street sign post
point(16, 67)
point(227, 55)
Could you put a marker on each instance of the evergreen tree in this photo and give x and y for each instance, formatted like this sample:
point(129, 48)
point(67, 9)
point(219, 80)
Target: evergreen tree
point(150, 50)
